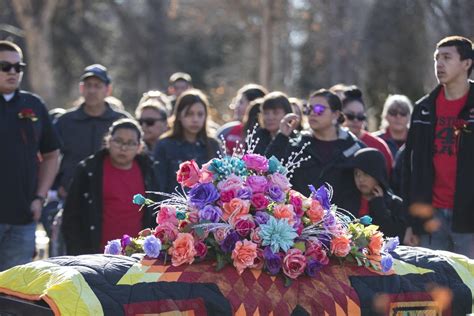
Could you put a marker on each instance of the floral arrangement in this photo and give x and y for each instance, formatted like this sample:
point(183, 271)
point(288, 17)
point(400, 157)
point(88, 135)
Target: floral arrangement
point(27, 114)
point(241, 210)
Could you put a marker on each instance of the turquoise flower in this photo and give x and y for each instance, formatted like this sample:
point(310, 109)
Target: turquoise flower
point(139, 199)
point(274, 165)
point(366, 220)
point(277, 234)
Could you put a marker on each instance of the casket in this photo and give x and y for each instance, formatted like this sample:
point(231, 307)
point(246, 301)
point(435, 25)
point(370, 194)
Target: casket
point(422, 281)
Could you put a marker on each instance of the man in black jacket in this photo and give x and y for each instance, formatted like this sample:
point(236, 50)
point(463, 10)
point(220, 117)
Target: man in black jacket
point(438, 168)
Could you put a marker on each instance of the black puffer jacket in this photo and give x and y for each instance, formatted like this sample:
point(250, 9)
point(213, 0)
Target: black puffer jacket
point(338, 172)
point(418, 171)
point(82, 217)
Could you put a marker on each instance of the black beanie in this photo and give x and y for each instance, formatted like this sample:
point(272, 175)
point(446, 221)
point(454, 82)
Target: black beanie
point(372, 162)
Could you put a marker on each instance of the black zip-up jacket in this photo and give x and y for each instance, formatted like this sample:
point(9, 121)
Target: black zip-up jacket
point(338, 172)
point(418, 170)
point(82, 217)
point(387, 212)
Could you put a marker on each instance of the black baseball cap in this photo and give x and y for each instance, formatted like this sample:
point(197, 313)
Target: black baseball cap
point(96, 70)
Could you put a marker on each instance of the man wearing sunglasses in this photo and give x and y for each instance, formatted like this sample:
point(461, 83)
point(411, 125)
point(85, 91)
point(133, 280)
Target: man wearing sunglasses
point(82, 128)
point(439, 154)
point(28, 163)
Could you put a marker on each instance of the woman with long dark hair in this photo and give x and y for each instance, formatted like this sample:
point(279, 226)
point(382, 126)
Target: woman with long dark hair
point(188, 139)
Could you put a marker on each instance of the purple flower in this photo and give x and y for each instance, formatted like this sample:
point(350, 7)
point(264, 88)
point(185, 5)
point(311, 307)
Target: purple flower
point(258, 184)
point(152, 246)
point(329, 221)
point(229, 242)
point(203, 194)
point(323, 195)
point(391, 244)
point(272, 261)
point(275, 193)
point(387, 262)
point(312, 267)
point(261, 217)
point(125, 241)
point(114, 247)
point(210, 213)
point(244, 193)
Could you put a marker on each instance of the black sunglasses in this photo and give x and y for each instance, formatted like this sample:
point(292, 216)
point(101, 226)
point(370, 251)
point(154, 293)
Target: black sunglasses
point(360, 117)
point(5, 66)
point(395, 112)
point(150, 121)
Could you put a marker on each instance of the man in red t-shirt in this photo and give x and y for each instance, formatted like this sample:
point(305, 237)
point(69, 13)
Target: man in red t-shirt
point(441, 133)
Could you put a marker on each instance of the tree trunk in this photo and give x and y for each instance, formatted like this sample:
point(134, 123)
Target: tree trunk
point(36, 24)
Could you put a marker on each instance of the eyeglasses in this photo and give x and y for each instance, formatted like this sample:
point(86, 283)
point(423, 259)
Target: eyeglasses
point(5, 66)
point(317, 109)
point(351, 116)
point(149, 121)
point(395, 112)
point(124, 145)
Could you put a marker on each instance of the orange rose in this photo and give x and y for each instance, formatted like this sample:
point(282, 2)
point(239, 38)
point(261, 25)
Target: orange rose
point(244, 255)
point(188, 173)
point(235, 209)
point(315, 212)
point(183, 250)
point(340, 246)
point(376, 243)
point(285, 211)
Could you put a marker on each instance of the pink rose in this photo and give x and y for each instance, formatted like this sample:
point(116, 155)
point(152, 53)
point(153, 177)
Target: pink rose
point(235, 209)
point(232, 183)
point(259, 201)
point(256, 162)
point(167, 214)
point(188, 173)
point(258, 184)
point(284, 211)
point(280, 180)
point(255, 236)
point(201, 249)
point(296, 199)
point(244, 255)
point(193, 217)
point(226, 196)
point(183, 250)
point(206, 176)
point(294, 263)
point(220, 234)
point(166, 232)
point(243, 226)
point(340, 246)
point(315, 212)
point(316, 251)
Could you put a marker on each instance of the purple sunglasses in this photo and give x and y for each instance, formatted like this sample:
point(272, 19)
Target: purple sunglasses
point(317, 109)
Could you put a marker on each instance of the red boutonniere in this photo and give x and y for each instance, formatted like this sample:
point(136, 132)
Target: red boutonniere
point(27, 114)
point(460, 126)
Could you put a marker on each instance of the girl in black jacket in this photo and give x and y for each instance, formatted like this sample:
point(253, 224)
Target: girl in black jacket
point(330, 149)
point(99, 204)
point(188, 139)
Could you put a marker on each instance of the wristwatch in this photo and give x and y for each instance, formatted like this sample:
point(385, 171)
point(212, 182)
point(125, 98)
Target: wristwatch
point(39, 197)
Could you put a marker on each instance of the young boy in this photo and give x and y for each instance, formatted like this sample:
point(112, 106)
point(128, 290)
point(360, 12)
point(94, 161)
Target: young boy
point(377, 200)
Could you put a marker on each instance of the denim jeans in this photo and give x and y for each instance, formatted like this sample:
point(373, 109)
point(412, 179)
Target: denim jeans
point(17, 244)
point(445, 239)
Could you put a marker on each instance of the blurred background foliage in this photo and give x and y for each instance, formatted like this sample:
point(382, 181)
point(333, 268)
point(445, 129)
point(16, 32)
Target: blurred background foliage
point(383, 46)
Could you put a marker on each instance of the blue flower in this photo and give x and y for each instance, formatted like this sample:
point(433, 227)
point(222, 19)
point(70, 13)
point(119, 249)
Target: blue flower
point(272, 261)
point(152, 246)
point(261, 217)
point(210, 213)
point(113, 247)
point(244, 193)
point(203, 194)
point(180, 215)
point(277, 234)
point(366, 220)
point(387, 262)
point(390, 244)
point(312, 267)
point(323, 195)
point(228, 244)
point(275, 193)
point(139, 199)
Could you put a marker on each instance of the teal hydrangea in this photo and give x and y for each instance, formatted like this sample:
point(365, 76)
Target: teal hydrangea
point(277, 234)
point(274, 165)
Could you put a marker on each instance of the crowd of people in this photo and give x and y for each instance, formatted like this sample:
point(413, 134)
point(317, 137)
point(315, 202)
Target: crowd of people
point(411, 176)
